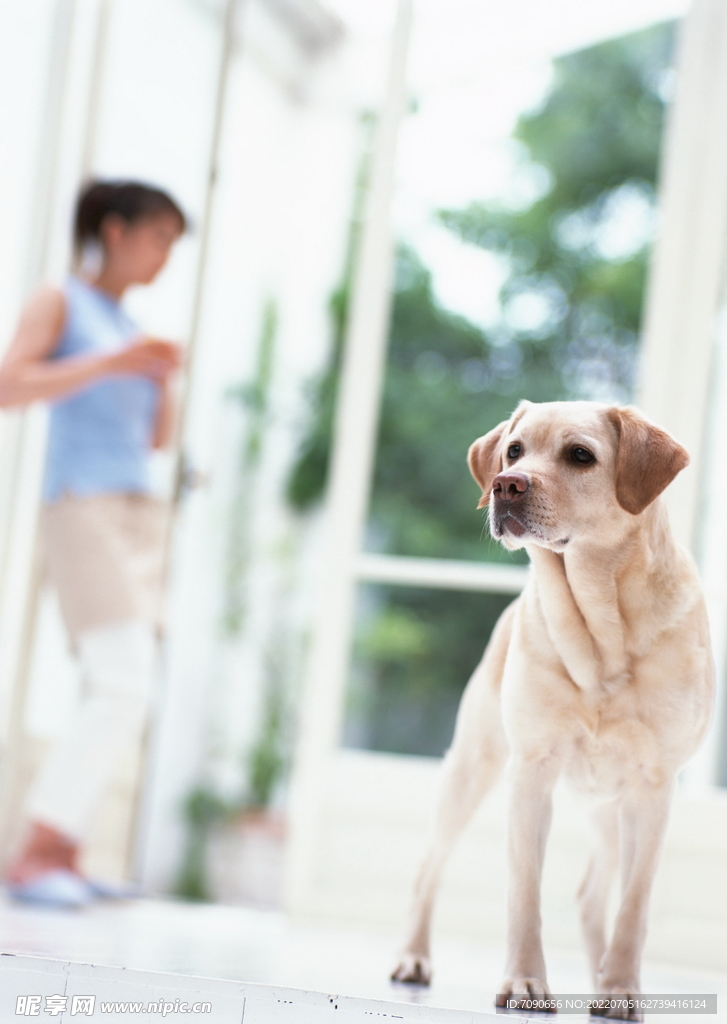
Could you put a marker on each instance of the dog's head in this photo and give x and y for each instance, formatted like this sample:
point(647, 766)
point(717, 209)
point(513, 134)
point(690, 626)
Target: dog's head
point(560, 471)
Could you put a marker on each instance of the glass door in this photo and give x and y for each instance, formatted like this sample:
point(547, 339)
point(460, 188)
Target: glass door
point(521, 209)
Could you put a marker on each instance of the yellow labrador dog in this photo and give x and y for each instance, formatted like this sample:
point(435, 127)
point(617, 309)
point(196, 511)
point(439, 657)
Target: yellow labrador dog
point(600, 672)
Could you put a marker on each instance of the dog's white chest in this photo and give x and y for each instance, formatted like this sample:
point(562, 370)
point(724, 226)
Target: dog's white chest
point(610, 753)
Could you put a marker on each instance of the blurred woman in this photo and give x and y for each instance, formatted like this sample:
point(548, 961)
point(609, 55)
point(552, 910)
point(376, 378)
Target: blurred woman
point(111, 399)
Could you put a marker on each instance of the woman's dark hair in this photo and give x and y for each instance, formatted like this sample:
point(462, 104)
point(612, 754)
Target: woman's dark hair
point(130, 200)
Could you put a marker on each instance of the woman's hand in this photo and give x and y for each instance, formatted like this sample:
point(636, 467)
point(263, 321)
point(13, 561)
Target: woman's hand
point(148, 357)
point(28, 373)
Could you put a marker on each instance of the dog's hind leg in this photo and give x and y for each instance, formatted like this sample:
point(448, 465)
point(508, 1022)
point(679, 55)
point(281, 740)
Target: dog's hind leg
point(470, 768)
point(596, 885)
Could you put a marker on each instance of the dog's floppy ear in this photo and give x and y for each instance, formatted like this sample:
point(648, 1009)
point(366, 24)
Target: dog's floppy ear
point(648, 459)
point(485, 460)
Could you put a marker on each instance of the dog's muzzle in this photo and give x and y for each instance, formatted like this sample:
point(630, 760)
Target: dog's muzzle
point(507, 508)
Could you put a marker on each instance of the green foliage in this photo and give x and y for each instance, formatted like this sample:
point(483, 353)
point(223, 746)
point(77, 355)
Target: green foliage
point(445, 385)
point(202, 811)
point(414, 651)
point(254, 398)
point(396, 637)
point(601, 124)
point(307, 480)
point(266, 762)
point(595, 142)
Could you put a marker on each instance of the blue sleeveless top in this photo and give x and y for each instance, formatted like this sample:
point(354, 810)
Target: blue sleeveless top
point(99, 437)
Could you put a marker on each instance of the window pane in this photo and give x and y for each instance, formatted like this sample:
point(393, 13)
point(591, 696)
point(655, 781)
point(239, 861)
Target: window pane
point(414, 651)
point(530, 287)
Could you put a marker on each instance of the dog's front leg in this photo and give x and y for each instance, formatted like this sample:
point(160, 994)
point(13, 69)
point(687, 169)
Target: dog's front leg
point(465, 780)
point(531, 790)
point(644, 814)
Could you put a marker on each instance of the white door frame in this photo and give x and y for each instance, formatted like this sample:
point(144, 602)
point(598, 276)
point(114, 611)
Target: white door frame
point(685, 291)
point(66, 134)
point(352, 458)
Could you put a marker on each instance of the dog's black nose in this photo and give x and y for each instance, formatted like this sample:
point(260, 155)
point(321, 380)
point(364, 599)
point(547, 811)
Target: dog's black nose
point(510, 486)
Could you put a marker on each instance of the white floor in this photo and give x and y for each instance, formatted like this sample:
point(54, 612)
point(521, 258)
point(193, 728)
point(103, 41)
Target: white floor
point(263, 948)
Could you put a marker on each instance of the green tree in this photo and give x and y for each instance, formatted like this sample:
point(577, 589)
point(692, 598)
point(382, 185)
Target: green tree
point(577, 253)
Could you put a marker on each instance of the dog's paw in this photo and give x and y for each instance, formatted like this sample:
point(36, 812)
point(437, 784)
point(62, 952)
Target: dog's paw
point(413, 969)
point(616, 1006)
point(530, 994)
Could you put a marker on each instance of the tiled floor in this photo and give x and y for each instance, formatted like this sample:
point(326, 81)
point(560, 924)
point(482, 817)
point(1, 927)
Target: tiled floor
point(263, 947)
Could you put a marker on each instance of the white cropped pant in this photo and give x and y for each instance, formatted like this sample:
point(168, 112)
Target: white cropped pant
point(104, 556)
point(118, 662)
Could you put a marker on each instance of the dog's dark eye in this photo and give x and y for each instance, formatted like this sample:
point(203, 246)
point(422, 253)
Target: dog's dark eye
point(583, 456)
point(513, 452)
